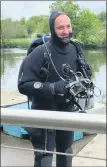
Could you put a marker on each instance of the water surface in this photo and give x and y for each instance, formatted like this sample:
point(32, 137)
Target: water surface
point(12, 58)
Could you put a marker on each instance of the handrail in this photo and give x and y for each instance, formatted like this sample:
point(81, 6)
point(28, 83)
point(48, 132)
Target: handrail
point(69, 121)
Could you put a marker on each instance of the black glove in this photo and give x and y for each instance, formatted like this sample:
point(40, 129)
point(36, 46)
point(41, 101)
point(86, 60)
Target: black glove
point(54, 88)
point(59, 87)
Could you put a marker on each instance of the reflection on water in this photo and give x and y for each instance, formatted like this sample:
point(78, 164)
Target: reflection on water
point(10, 63)
point(97, 59)
point(11, 60)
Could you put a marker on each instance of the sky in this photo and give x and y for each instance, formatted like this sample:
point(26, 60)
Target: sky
point(19, 9)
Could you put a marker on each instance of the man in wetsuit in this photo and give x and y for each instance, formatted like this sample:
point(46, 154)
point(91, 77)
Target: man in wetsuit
point(46, 95)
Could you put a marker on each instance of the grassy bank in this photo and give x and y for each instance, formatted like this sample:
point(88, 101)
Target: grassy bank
point(18, 43)
point(24, 43)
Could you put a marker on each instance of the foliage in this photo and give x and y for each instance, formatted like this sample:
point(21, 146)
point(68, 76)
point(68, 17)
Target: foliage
point(43, 26)
point(10, 29)
point(37, 24)
point(88, 27)
point(102, 16)
point(18, 43)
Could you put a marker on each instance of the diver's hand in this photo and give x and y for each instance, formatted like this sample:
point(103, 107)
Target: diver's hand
point(60, 87)
point(54, 88)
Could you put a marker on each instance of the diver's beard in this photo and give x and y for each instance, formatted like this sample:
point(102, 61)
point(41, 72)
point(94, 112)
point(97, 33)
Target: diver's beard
point(65, 40)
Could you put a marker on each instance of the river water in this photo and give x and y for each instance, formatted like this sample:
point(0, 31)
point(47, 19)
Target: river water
point(12, 58)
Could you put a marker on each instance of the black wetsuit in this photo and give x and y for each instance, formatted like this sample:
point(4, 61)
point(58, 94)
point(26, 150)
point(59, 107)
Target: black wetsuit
point(32, 66)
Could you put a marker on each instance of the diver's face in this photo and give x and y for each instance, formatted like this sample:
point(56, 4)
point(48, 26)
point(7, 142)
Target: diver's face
point(63, 28)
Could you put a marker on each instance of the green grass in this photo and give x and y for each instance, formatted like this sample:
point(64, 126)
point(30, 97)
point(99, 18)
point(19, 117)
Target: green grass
point(18, 43)
point(21, 39)
point(24, 43)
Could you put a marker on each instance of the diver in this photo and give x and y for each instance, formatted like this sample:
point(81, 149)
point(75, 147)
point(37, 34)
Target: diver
point(51, 94)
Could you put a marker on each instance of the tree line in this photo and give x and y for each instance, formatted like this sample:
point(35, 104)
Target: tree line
point(88, 27)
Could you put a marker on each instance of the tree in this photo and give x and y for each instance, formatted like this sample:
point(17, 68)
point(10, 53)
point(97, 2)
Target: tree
point(102, 31)
point(102, 16)
point(22, 21)
point(31, 23)
point(43, 26)
point(88, 25)
point(11, 29)
point(6, 31)
point(29, 30)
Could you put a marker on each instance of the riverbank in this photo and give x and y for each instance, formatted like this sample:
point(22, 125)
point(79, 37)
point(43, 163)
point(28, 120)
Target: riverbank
point(11, 97)
point(23, 43)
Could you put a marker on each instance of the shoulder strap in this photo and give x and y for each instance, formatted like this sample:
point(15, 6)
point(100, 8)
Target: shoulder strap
point(44, 72)
point(85, 67)
point(77, 46)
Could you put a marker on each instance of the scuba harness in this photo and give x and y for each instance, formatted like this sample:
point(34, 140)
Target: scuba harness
point(82, 79)
point(81, 63)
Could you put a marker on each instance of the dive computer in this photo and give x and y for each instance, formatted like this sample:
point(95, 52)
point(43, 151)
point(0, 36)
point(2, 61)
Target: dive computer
point(38, 85)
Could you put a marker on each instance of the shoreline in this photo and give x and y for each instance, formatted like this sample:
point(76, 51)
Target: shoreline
point(12, 97)
point(9, 97)
point(85, 46)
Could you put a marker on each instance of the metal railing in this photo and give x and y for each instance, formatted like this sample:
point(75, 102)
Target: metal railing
point(84, 122)
point(70, 121)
